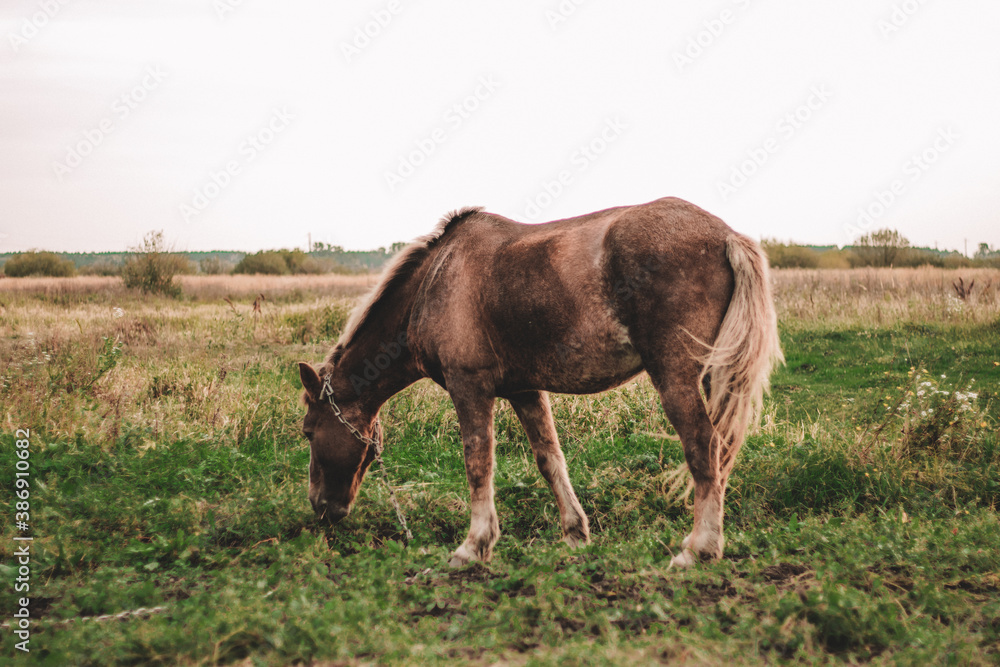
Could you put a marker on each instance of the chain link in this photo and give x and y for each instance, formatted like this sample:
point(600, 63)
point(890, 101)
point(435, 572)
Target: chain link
point(327, 392)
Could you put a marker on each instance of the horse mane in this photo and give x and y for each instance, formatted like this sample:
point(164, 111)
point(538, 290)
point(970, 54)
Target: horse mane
point(396, 274)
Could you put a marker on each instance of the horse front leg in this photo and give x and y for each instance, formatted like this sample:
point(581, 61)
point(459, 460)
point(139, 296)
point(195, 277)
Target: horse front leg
point(535, 413)
point(475, 418)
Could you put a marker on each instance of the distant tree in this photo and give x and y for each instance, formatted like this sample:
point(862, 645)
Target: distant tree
point(880, 248)
point(834, 259)
point(214, 266)
point(267, 262)
point(789, 256)
point(278, 263)
point(955, 260)
point(38, 263)
point(151, 268)
point(299, 262)
point(986, 256)
point(986, 252)
point(102, 267)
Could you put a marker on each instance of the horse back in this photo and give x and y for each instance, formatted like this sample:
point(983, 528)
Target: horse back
point(558, 306)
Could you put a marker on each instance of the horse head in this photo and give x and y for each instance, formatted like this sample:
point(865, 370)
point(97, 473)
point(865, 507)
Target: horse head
point(340, 453)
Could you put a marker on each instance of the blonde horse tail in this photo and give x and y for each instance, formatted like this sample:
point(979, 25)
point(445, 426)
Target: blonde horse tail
point(738, 366)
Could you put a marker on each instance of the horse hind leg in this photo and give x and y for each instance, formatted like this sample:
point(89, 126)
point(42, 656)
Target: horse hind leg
point(535, 414)
point(685, 408)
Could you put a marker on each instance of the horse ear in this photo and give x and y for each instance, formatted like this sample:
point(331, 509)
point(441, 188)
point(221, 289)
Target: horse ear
point(310, 380)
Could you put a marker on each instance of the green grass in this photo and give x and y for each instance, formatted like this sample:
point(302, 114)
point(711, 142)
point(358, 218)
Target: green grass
point(168, 469)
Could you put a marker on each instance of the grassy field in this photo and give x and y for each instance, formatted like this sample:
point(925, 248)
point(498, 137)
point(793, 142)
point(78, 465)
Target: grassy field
point(167, 470)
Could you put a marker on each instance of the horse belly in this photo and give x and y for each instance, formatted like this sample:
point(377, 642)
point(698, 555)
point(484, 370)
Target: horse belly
point(586, 361)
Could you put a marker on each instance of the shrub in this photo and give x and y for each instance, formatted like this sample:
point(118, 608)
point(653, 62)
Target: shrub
point(956, 260)
point(35, 263)
point(885, 247)
point(300, 262)
point(269, 262)
point(788, 256)
point(833, 259)
point(214, 266)
point(151, 269)
point(102, 267)
point(938, 418)
point(278, 263)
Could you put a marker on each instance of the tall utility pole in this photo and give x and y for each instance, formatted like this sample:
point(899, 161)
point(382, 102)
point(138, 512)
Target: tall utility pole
point(309, 248)
point(966, 247)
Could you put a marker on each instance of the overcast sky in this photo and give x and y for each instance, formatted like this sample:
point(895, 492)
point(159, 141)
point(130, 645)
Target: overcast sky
point(247, 124)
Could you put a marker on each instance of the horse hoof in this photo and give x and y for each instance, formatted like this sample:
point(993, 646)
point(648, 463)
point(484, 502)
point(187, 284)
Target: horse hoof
point(461, 557)
point(683, 560)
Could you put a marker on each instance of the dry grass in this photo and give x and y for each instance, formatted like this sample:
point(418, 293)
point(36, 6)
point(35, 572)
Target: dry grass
point(103, 286)
point(331, 285)
point(875, 297)
point(202, 288)
point(866, 297)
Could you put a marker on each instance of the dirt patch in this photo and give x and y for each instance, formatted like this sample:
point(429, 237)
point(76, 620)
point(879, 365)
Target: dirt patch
point(474, 572)
point(894, 576)
point(636, 624)
point(39, 607)
point(712, 593)
point(613, 589)
point(570, 624)
point(439, 609)
point(467, 653)
point(783, 573)
point(523, 646)
point(985, 586)
point(385, 534)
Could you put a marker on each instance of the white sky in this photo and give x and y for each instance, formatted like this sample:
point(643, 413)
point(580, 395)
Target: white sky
point(224, 69)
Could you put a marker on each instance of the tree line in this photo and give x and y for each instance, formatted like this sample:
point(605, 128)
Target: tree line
point(151, 266)
point(323, 258)
point(882, 248)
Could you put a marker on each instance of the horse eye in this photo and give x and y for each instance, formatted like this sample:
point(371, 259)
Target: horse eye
point(308, 434)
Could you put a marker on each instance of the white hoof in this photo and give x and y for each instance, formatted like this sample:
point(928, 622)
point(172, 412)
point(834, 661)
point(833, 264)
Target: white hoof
point(462, 556)
point(683, 560)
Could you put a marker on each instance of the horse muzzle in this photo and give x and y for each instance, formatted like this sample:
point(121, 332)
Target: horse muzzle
point(329, 512)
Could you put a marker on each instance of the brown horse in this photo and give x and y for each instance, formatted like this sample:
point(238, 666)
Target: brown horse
point(487, 308)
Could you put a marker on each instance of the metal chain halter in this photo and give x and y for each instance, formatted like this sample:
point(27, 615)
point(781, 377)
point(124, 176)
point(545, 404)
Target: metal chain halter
point(327, 392)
